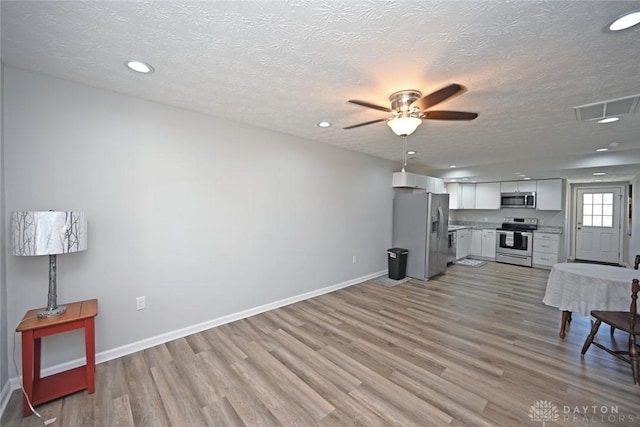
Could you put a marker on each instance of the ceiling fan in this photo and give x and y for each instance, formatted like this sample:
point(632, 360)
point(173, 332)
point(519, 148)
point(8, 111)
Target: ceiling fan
point(409, 108)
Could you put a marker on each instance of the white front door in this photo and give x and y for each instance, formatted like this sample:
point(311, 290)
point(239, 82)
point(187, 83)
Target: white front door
point(598, 224)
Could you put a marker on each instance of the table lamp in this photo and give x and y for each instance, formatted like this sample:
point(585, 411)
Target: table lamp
point(48, 233)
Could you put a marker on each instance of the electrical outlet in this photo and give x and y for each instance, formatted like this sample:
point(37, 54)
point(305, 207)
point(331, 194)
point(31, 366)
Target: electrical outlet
point(141, 303)
point(354, 259)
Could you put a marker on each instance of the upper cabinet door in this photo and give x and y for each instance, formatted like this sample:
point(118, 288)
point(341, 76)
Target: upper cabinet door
point(488, 195)
point(549, 197)
point(517, 186)
point(455, 195)
point(468, 196)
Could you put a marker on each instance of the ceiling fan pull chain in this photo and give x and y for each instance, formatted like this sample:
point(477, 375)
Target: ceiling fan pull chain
point(404, 152)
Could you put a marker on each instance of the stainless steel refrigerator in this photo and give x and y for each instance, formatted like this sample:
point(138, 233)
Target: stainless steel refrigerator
point(420, 224)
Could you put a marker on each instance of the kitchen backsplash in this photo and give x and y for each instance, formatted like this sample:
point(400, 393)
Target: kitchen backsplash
point(495, 218)
point(492, 225)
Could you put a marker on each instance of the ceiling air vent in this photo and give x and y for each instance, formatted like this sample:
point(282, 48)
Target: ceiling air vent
point(614, 107)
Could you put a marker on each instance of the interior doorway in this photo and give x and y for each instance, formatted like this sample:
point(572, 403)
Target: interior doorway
point(598, 225)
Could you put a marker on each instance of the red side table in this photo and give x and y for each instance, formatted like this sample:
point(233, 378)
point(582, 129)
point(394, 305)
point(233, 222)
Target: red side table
point(40, 390)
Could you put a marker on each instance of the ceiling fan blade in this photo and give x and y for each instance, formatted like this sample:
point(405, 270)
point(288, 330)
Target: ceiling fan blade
point(370, 105)
point(365, 123)
point(438, 96)
point(448, 115)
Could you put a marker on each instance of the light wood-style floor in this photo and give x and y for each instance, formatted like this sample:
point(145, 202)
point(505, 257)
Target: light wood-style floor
point(473, 347)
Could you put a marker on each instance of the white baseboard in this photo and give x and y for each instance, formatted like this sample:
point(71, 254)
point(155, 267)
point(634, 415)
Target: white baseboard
point(105, 356)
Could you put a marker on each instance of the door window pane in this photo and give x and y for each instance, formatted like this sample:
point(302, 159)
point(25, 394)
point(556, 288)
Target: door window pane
point(597, 210)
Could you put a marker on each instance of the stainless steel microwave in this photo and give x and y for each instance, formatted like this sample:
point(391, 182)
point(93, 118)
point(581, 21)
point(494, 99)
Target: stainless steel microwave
point(525, 200)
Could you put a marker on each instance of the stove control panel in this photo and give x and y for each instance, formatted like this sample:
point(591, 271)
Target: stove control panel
point(528, 221)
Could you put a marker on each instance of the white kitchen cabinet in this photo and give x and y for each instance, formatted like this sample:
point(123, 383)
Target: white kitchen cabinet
point(483, 243)
point(462, 243)
point(545, 249)
point(549, 195)
point(475, 245)
point(518, 186)
point(455, 195)
point(468, 196)
point(487, 195)
point(413, 180)
point(489, 244)
point(408, 180)
point(461, 196)
point(435, 185)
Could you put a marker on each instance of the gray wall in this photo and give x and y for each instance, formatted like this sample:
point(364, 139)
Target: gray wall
point(204, 217)
point(4, 355)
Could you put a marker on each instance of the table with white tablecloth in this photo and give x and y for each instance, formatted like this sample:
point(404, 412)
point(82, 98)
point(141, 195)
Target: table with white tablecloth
point(581, 287)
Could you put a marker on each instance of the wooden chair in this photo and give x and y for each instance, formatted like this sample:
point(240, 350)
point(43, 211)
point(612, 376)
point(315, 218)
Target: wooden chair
point(625, 321)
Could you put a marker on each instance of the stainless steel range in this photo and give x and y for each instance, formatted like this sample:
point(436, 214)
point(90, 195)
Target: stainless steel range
point(514, 241)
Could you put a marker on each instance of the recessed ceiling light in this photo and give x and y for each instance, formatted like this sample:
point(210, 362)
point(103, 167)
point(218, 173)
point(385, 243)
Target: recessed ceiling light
point(599, 173)
point(324, 124)
point(411, 152)
point(453, 180)
point(526, 178)
point(140, 67)
point(453, 166)
point(625, 21)
point(609, 120)
point(602, 149)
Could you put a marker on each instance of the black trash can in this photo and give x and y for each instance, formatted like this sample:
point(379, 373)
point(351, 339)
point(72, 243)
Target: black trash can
point(397, 263)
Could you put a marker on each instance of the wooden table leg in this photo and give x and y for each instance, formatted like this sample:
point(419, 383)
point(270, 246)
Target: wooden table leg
point(566, 318)
point(27, 370)
point(90, 348)
point(37, 358)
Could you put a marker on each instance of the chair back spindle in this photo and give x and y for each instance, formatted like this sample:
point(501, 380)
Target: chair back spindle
point(633, 310)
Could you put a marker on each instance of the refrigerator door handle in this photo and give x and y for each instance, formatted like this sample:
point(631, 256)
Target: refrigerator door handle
point(440, 216)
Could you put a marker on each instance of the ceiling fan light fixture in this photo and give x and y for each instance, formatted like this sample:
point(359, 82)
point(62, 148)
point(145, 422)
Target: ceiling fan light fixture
point(404, 126)
point(625, 21)
point(140, 67)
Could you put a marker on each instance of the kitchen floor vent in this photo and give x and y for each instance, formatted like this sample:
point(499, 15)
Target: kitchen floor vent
point(613, 107)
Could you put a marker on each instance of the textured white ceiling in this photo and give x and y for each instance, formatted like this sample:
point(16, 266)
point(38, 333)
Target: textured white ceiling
point(286, 65)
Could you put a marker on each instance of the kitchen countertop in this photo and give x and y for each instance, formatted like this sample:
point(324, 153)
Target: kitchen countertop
point(492, 226)
point(474, 225)
point(550, 230)
point(457, 227)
